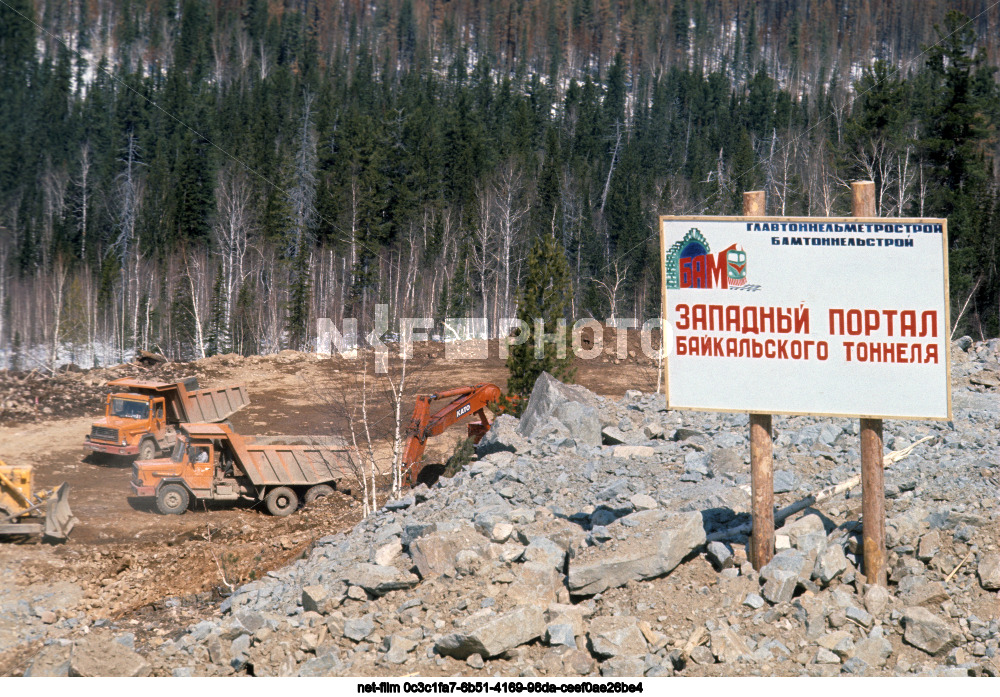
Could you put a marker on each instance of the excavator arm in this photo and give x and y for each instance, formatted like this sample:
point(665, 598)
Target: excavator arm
point(466, 402)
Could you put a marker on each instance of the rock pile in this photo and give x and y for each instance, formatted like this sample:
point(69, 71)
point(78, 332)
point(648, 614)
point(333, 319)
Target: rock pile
point(576, 545)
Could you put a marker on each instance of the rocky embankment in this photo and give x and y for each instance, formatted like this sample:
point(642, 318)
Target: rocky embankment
point(597, 537)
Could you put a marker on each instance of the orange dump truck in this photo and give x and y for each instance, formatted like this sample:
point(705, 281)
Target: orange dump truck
point(210, 462)
point(143, 417)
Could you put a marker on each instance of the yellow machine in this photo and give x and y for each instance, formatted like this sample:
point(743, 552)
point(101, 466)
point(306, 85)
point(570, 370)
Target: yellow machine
point(24, 512)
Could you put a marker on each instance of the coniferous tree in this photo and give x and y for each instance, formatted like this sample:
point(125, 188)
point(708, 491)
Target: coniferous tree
point(298, 305)
point(544, 304)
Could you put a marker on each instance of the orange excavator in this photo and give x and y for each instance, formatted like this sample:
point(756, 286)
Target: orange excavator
point(467, 401)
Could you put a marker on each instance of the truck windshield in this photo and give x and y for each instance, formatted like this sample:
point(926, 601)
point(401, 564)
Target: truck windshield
point(129, 408)
point(178, 454)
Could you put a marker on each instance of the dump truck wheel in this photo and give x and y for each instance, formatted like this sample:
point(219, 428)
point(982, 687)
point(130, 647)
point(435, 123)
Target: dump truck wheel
point(147, 450)
point(318, 492)
point(172, 499)
point(281, 501)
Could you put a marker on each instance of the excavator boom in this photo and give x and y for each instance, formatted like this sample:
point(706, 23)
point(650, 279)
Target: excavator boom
point(466, 401)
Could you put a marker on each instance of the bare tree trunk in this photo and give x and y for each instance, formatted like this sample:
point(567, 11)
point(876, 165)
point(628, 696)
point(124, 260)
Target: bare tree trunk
point(196, 297)
point(57, 289)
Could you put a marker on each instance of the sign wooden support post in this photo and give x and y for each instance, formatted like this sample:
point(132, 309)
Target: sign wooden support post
point(761, 451)
point(872, 481)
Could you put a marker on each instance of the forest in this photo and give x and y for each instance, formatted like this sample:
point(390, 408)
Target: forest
point(208, 176)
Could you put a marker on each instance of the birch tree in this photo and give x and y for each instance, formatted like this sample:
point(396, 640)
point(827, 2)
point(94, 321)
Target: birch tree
point(234, 224)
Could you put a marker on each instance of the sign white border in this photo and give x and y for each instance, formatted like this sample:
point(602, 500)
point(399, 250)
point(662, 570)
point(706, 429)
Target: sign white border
point(770, 401)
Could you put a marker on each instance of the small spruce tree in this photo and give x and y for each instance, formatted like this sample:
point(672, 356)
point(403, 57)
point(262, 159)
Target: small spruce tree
point(546, 294)
point(298, 305)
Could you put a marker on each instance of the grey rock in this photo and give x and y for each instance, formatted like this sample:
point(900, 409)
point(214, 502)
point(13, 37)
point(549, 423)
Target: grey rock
point(784, 481)
point(826, 656)
point(399, 648)
point(875, 650)
point(839, 642)
point(643, 502)
point(631, 452)
point(400, 504)
point(560, 635)
point(99, 656)
point(379, 580)
point(544, 550)
point(53, 661)
point(315, 599)
point(494, 635)
point(503, 436)
point(359, 628)
point(702, 655)
point(780, 586)
point(989, 571)
point(323, 666)
point(876, 599)
point(858, 616)
point(658, 551)
point(928, 632)
point(623, 667)
point(652, 431)
point(753, 601)
point(929, 545)
point(434, 554)
point(805, 534)
point(574, 407)
point(790, 560)
point(917, 590)
point(615, 636)
point(387, 553)
point(612, 435)
point(720, 554)
point(727, 646)
point(475, 661)
point(830, 563)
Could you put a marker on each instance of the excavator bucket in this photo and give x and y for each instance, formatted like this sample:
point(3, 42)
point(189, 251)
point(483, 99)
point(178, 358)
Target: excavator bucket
point(59, 519)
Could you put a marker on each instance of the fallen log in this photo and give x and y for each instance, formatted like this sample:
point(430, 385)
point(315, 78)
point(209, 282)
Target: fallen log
point(784, 513)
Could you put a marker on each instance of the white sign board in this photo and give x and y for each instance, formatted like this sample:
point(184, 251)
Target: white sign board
point(825, 316)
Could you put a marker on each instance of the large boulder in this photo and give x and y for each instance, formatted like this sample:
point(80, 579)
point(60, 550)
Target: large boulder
point(503, 436)
point(656, 549)
point(572, 406)
point(927, 631)
point(435, 554)
point(493, 635)
point(379, 580)
point(102, 657)
point(616, 636)
point(989, 572)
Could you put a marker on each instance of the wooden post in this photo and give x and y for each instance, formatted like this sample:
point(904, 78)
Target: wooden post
point(761, 452)
point(872, 481)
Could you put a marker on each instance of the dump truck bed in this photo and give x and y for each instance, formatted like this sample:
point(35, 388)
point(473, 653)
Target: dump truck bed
point(208, 405)
point(282, 460)
point(214, 404)
point(294, 465)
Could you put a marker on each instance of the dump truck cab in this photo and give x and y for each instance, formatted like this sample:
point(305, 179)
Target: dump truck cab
point(190, 472)
point(144, 420)
point(133, 424)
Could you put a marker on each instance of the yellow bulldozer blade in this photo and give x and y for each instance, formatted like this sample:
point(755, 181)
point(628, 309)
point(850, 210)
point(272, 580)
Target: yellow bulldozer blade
point(59, 519)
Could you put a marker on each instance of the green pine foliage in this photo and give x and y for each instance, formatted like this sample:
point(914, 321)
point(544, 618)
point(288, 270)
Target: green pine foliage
point(608, 119)
point(543, 304)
